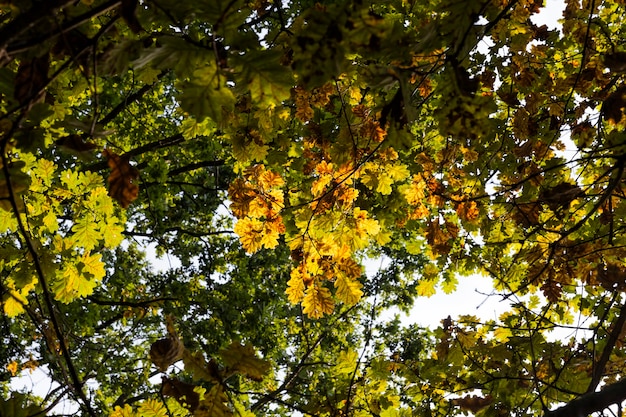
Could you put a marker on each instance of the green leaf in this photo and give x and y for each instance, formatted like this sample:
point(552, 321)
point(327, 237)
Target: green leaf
point(70, 284)
point(86, 233)
point(269, 82)
point(206, 94)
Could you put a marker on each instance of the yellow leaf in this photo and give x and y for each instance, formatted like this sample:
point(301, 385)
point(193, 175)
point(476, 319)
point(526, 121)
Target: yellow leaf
point(118, 411)
point(14, 304)
point(199, 367)
point(346, 362)
point(7, 220)
point(317, 302)
point(415, 192)
point(70, 284)
point(93, 265)
point(426, 287)
point(250, 233)
point(152, 408)
point(86, 233)
point(12, 367)
point(295, 287)
point(397, 172)
point(213, 403)
point(348, 290)
point(112, 230)
point(15, 299)
point(502, 334)
point(383, 184)
point(370, 226)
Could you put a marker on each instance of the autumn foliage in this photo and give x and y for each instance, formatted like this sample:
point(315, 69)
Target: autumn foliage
point(216, 208)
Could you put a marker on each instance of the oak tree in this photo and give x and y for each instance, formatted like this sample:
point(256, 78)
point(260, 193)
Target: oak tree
point(190, 192)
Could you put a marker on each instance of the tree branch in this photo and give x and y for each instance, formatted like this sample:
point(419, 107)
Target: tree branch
point(592, 402)
point(130, 99)
point(599, 367)
point(157, 144)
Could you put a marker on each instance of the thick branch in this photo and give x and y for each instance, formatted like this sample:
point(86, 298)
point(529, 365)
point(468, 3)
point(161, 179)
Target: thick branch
point(29, 19)
point(606, 353)
point(592, 402)
point(157, 144)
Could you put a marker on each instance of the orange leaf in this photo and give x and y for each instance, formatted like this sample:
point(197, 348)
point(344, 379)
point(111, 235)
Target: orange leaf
point(122, 186)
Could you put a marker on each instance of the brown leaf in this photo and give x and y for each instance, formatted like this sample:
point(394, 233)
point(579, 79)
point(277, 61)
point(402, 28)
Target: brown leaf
point(31, 79)
point(613, 106)
point(122, 179)
point(552, 290)
point(616, 62)
point(560, 196)
point(473, 403)
point(76, 143)
point(183, 393)
point(166, 352)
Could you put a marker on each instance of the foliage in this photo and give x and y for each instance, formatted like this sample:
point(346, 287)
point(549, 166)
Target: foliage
point(266, 152)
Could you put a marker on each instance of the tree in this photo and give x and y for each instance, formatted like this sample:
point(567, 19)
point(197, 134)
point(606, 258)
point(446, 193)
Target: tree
point(270, 149)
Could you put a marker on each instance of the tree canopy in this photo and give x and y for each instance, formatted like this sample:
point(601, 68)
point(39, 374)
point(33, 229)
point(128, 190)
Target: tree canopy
point(271, 150)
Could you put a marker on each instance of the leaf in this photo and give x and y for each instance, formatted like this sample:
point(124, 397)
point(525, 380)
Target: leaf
point(199, 368)
point(111, 231)
point(348, 290)
point(214, 403)
point(86, 233)
point(184, 393)
point(269, 82)
point(122, 179)
point(152, 408)
point(317, 302)
point(244, 360)
point(173, 52)
point(346, 362)
point(206, 94)
point(70, 284)
point(93, 265)
point(468, 211)
point(166, 352)
point(473, 403)
point(426, 287)
point(125, 411)
point(295, 287)
point(31, 78)
point(19, 405)
point(13, 303)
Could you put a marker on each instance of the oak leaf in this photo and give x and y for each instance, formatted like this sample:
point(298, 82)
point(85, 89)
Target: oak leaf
point(348, 290)
point(123, 178)
point(165, 352)
point(183, 392)
point(244, 360)
point(473, 403)
point(317, 302)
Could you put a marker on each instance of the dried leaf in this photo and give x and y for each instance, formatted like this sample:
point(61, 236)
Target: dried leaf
point(31, 79)
point(183, 393)
point(473, 403)
point(166, 352)
point(122, 179)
